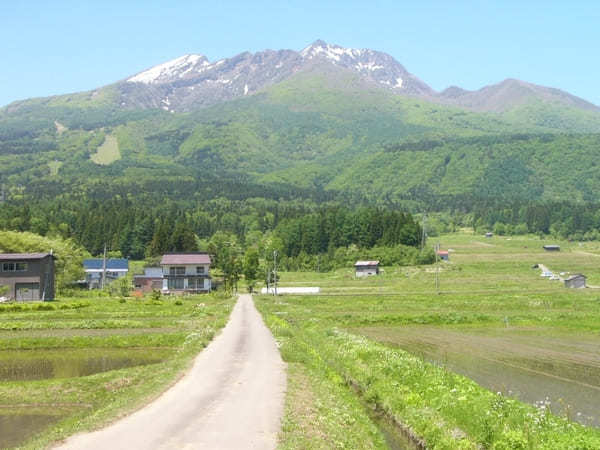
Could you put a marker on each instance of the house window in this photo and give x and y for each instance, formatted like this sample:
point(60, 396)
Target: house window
point(14, 267)
point(176, 270)
point(175, 283)
point(200, 270)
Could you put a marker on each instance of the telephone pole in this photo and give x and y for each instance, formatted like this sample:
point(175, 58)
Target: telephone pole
point(437, 269)
point(103, 268)
point(424, 233)
point(275, 271)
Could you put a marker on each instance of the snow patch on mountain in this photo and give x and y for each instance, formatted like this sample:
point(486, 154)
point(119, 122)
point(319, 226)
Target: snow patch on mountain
point(371, 66)
point(332, 52)
point(177, 67)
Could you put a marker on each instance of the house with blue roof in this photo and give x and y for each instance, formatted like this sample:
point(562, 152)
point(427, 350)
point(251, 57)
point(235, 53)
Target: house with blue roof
point(94, 270)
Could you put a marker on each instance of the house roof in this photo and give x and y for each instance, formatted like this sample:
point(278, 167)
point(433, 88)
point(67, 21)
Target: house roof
point(366, 263)
point(21, 256)
point(185, 258)
point(112, 264)
point(151, 272)
point(575, 276)
point(442, 252)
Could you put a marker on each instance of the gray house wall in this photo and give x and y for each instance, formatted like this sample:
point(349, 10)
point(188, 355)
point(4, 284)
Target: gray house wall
point(35, 283)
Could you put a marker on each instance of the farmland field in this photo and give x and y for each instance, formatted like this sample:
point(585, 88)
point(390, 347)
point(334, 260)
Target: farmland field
point(76, 364)
point(498, 357)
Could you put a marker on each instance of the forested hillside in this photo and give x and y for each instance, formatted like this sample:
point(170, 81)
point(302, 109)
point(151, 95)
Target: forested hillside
point(85, 166)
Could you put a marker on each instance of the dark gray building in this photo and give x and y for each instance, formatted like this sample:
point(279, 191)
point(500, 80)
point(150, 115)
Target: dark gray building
point(552, 248)
point(28, 276)
point(575, 281)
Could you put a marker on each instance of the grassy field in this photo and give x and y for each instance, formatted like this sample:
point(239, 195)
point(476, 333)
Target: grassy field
point(76, 364)
point(500, 357)
point(108, 152)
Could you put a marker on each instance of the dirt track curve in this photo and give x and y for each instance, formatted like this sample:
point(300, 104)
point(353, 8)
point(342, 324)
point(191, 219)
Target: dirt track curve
point(232, 398)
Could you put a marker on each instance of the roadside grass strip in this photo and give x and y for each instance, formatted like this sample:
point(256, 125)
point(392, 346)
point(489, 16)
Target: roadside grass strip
point(446, 410)
point(320, 413)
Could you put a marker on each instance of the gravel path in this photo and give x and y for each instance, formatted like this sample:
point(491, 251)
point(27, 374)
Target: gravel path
point(232, 398)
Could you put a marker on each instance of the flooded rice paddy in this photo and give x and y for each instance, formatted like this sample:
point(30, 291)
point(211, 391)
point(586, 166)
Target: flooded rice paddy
point(18, 424)
point(23, 365)
point(562, 372)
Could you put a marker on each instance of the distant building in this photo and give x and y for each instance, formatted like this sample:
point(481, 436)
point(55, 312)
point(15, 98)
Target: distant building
point(443, 255)
point(366, 268)
point(575, 281)
point(152, 279)
point(186, 272)
point(94, 268)
point(489, 234)
point(29, 276)
point(552, 248)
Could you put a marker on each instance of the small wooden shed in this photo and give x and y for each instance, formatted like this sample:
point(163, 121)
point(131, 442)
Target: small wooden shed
point(366, 268)
point(443, 255)
point(575, 281)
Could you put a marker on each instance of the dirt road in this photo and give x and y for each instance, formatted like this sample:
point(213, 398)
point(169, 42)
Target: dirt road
point(232, 398)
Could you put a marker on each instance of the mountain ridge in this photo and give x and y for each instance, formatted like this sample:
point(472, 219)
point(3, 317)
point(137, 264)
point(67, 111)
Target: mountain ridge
point(190, 82)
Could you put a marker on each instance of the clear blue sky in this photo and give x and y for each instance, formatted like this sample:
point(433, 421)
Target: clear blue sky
point(67, 46)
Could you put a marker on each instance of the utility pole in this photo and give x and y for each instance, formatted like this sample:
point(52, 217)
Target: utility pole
point(267, 274)
point(424, 233)
point(275, 271)
point(103, 268)
point(437, 269)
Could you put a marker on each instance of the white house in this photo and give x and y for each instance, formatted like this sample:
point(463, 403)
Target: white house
point(366, 268)
point(186, 272)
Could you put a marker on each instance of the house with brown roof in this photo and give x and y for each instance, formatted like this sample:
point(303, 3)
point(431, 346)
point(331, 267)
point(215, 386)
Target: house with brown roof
point(186, 272)
point(28, 276)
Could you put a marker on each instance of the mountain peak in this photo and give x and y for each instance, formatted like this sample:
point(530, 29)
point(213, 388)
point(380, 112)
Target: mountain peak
point(332, 52)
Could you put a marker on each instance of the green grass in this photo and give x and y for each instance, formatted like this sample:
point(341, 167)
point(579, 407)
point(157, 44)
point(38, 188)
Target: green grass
point(489, 293)
point(108, 152)
point(173, 332)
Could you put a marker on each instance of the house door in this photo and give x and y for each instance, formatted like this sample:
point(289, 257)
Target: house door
point(27, 291)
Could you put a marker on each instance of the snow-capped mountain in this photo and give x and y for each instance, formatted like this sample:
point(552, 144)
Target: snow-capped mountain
point(191, 81)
